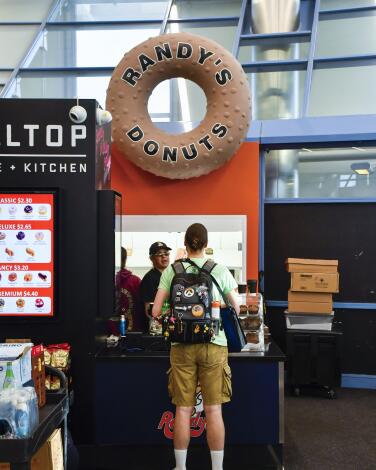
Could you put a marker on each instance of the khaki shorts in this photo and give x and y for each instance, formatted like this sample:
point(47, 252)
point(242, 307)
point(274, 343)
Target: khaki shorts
point(199, 363)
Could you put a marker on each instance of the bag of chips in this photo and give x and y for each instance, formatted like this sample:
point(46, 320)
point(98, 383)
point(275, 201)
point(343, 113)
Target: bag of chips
point(56, 355)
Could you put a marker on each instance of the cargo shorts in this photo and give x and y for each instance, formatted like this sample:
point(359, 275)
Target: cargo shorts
point(206, 364)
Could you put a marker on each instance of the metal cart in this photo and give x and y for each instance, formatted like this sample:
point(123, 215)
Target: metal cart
point(313, 358)
point(19, 452)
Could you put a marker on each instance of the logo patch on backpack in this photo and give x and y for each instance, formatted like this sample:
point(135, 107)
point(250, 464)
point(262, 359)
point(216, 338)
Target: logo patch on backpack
point(189, 292)
point(198, 311)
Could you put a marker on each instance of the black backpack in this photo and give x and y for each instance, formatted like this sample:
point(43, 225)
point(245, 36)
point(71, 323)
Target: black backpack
point(190, 320)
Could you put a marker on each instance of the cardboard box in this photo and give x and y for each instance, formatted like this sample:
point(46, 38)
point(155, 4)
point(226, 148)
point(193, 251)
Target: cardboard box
point(315, 282)
point(18, 340)
point(50, 455)
point(300, 265)
point(311, 308)
point(19, 354)
point(298, 296)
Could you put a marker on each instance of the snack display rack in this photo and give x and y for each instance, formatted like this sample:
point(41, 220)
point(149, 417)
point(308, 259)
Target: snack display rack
point(252, 320)
point(19, 452)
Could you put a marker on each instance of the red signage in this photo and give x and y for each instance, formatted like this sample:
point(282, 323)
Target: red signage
point(26, 254)
point(198, 424)
point(198, 421)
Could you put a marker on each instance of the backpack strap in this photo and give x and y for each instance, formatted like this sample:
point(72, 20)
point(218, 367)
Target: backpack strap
point(225, 299)
point(178, 267)
point(209, 266)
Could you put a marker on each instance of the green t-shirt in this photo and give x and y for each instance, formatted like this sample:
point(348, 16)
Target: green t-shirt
point(221, 274)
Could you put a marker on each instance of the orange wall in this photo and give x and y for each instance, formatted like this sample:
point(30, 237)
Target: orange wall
point(233, 189)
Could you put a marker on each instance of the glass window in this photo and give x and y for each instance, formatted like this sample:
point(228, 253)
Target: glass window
point(4, 76)
point(19, 37)
point(272, 50)
point(223, 33)
point(171, 100)
point(336, 4)
point(60, 85)
point(160, 101)
point(343, 35)
point(102, 10)
point(321, 173)
point(343, 90)
point(88, 46)
point(19, 10)
point(204, 8)
point(177, 100)
point(277, 95)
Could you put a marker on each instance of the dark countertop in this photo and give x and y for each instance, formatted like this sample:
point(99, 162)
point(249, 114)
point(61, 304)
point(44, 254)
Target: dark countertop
point(272, 354)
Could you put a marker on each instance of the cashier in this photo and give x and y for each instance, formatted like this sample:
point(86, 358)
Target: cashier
point(159, 254)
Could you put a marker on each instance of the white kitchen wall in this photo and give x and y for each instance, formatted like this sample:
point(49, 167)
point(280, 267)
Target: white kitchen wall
point(226, 249)
point(227, 238)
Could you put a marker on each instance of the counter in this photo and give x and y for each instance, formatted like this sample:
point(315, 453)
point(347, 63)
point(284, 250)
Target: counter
point(132, 406)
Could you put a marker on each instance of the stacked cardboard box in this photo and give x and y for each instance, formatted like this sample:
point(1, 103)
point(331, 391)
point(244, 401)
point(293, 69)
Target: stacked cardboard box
point(50, 455)
point(313, 281)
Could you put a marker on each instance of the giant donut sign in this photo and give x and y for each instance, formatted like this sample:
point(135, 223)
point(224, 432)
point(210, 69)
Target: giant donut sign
point(202, 149)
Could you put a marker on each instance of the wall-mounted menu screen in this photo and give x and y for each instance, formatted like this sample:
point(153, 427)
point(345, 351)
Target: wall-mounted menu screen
point(27, 254)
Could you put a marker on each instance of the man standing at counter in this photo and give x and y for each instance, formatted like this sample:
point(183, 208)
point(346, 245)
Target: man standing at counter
point(159, 254)
point(203, 362)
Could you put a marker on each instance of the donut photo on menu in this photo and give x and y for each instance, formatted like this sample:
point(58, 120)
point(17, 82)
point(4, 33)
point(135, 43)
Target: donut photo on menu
point(20, 303)
point(28, 209)
point(20, 235)
point(9, 252)
point(12, 210)
point(30, 251)
point(2, 303)
point(42, 210)
point(12, 277)
point(42, 277)
point(39, 236)
point(39, 303)
point(28, 277)
point(3, 235)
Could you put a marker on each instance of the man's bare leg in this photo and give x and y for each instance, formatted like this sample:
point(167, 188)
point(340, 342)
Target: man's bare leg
point(182, 435)
point(215, 434)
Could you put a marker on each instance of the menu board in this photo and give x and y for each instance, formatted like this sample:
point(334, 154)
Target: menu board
point(26, 254)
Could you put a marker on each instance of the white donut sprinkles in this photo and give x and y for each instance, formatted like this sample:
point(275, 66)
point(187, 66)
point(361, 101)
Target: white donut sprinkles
point(217, 137)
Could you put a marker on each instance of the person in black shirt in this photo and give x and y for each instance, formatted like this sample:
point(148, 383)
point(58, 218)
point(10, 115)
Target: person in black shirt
point(159, 254)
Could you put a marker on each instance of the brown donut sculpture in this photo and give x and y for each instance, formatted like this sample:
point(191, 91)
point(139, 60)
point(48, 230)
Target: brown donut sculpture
point(202, 149)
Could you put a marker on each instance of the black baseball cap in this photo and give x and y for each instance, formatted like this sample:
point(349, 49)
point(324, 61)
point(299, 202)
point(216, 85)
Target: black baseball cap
point(155, 247)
